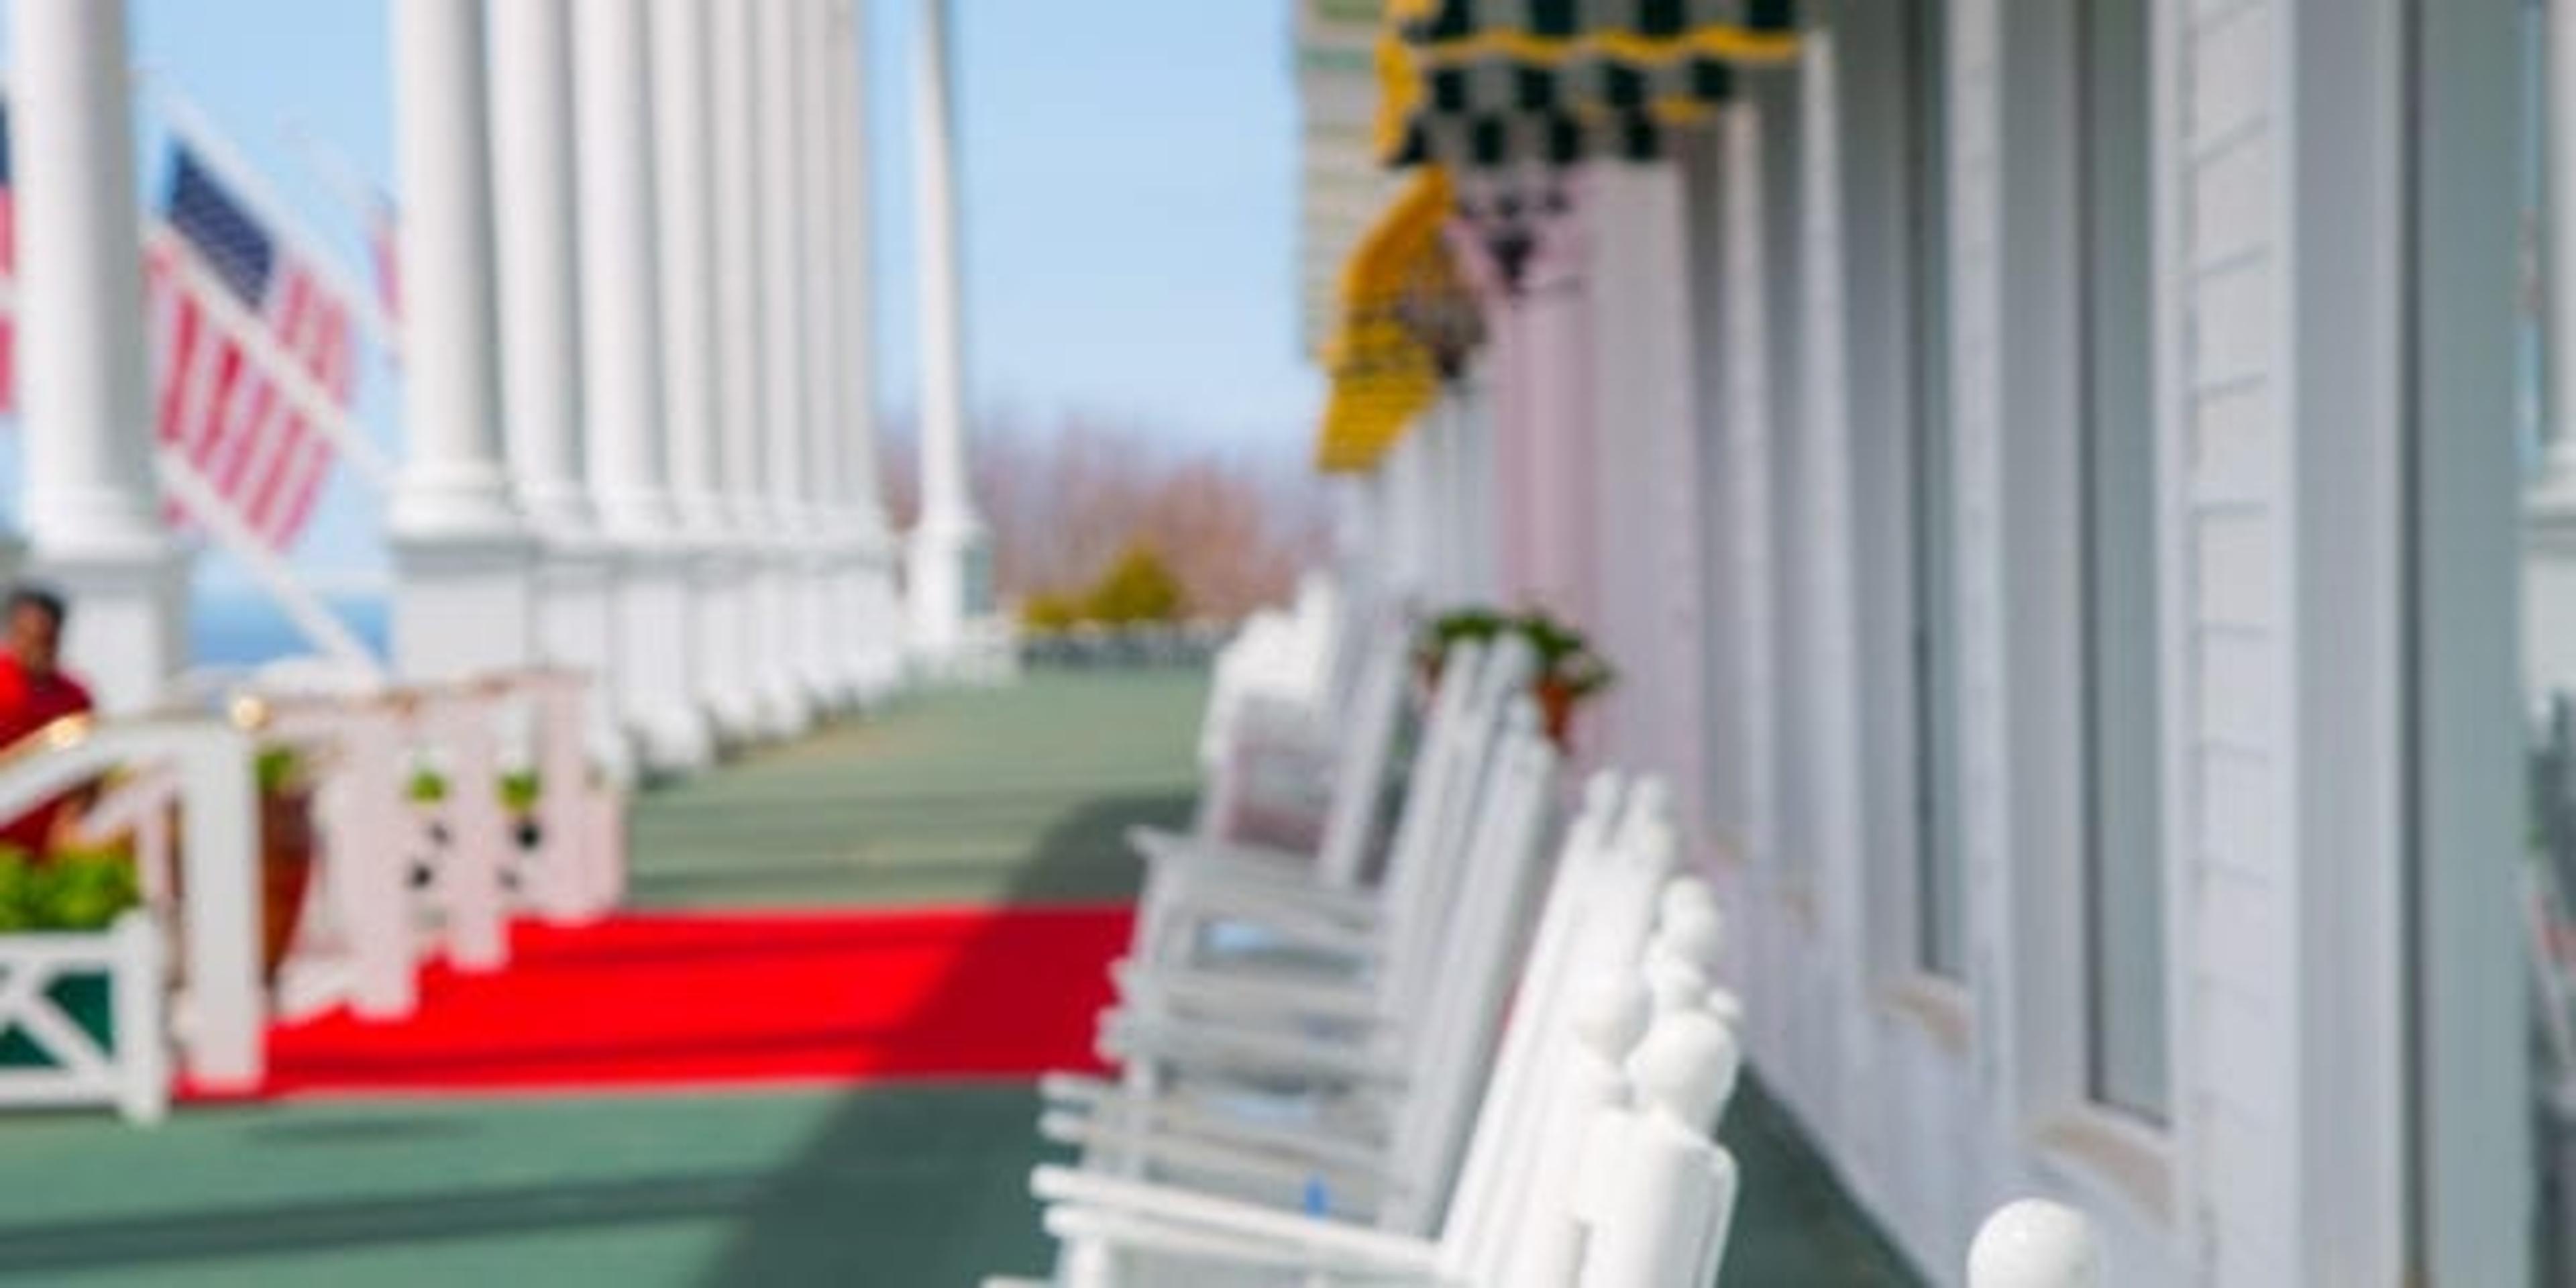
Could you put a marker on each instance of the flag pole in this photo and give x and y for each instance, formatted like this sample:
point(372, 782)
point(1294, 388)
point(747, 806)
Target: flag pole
point(320, 626)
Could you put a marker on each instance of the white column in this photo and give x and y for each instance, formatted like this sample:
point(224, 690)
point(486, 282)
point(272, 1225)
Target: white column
point(741, 347)
point(621, 379)
point(91, 504)
point(2549, 530)
point(683, 62)
point(533, 200)
point(949, 582)
point(820, 660)
point(534, 203)
point(2558, 487)
point(783, 409)
point(875, 627)
point(460, 551)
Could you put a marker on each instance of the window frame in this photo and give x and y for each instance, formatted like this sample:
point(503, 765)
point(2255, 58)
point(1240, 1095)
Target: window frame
point(2119, 685)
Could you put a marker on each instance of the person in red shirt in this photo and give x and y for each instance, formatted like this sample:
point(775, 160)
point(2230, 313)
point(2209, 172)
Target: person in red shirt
point(35, 692)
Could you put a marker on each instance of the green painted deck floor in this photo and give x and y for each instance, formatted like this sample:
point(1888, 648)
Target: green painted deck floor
point(971, 797)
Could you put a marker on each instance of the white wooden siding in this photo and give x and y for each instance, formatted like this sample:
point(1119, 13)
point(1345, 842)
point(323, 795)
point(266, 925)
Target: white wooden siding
point(2237, 1014)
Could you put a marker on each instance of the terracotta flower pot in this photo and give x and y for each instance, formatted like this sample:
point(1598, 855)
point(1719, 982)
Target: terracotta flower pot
point(1556, 703)
point(285, 871)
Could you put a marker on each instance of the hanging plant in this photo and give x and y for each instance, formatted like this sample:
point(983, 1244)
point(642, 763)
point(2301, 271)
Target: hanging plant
point(1568, 671)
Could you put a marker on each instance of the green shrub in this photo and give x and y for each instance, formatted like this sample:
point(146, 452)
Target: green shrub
point(1049, 612)
point(78, 890)
point(18, 898)
point(1137, 588)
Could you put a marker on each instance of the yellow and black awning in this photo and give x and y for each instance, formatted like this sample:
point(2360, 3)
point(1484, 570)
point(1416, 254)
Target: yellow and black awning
point(1486, 82)
point(1408, 316)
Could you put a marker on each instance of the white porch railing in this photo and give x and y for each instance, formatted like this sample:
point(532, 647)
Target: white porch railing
point(221, 1012)
point(393, 877)
point(128, 1066)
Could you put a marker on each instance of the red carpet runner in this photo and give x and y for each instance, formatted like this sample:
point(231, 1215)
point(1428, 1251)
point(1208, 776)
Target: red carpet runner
point(698, 1001)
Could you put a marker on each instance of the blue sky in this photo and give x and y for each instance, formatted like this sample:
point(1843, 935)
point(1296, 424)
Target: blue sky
point(1130, 190)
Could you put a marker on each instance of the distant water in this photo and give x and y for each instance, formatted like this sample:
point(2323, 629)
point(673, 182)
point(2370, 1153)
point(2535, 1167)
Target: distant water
point(246, 630)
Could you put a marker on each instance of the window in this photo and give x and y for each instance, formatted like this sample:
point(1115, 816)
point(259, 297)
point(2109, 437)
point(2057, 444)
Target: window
point(1941, 915)
point(2123, 884)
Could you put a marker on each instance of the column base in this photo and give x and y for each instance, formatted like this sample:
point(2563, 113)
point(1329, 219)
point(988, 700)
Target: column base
point(657, 692)
point(577, 630)
point(462, 605)
point(786, 709)
point(949, 590)
point(126, 637)
point(877, 609)
point(721, 600)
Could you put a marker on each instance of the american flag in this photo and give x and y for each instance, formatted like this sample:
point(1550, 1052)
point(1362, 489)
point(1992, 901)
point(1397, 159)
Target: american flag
point(247, 335)
point(8, 275)
point(384, 253)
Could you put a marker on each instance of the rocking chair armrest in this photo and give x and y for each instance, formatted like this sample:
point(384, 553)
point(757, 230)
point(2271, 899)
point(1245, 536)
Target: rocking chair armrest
point(1249, 994)
point(1087, 1205)
point(1255, 1171)
point(1201, 1044)
point(1162, 847)
point(1179, 860)
point(1131, 1119)
point(1219, 886)
point(1082, 1093)
point(1305, 922)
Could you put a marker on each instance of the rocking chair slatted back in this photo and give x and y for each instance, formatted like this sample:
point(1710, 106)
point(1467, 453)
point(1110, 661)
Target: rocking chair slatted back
point(1423, 878)
point(1457, 1032)
point(1600, 918)
point(1376, 712)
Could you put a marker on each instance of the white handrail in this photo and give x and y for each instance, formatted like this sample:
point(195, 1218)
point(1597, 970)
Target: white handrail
point(224, 1011)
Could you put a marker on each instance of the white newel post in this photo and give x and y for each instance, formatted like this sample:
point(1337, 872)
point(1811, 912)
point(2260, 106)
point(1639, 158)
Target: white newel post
point(534, 205)
point(741, 377)
point(783, 389)
point(950, 581)
point(872, 641)
point(2549, 615)
point(621, 377)
point(92, 510)
point(683, 100)
point(826, 541)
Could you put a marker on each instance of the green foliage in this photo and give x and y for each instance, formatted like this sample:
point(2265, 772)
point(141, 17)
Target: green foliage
point(278, 769)
point(519, 791)
point(1048, 612)
point(1137, 588)
point(77, 890)
point(1565, 657)
point(427, 786)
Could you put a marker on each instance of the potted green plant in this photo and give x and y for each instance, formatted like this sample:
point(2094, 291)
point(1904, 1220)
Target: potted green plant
point(1569, 672)
point(286, 851)
point(521, 789)
point(73, 892)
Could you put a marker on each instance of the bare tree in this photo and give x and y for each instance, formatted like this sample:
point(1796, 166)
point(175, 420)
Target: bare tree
point(1236, 527)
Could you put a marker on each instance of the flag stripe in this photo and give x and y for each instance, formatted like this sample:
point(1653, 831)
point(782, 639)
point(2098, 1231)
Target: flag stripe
point(254, 440)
